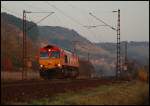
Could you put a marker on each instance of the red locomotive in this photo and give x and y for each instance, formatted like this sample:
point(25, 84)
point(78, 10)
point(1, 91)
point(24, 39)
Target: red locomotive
point(58, 63)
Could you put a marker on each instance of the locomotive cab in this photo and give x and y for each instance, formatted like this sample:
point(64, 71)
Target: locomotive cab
point(50, 58)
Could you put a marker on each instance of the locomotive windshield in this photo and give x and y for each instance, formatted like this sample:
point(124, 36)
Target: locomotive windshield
point(51, 54)
point(43, 54)
point(55, 54)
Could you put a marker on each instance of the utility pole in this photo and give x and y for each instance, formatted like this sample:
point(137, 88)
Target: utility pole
point(25, 30)
point(24, 72)
point(126, 58)
point(24, 44)
point(118, 65)
point(5, 45)
point(23, 57)
point(118, 47)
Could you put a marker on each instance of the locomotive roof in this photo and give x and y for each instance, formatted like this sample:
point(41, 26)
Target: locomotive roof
point(56, 48)
point(51, 47)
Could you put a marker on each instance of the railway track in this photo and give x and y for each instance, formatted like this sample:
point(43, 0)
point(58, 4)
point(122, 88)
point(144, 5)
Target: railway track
point(23, 91)
point(42, 81)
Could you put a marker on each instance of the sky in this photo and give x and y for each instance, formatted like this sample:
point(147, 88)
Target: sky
point(134, 17)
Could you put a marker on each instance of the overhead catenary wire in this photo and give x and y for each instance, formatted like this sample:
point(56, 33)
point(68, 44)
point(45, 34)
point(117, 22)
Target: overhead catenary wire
point(118, 38)
point(25, 30)
point(64, 14)
point(29, 28)
point(74, 41)
point(102, 21)
point(76, 21)
point(33, 7)
point(59, 10)
point(90, 27)
point(37, 9)
point(12, 12)
point(83, 11)
point(37, 12)
point(86, 26)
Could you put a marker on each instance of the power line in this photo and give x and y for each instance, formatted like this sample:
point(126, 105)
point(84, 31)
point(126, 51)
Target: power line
point(85, 26)
point(118, 65)
point(74, 20)
point(14, 13)
point(39, 20)
point(91, 26)
point(102, 21)
point(24, 72)
point(29, 5)
point(64, 13)
point(70, 18)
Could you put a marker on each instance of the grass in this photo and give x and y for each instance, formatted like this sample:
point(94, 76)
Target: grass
point(116, 94)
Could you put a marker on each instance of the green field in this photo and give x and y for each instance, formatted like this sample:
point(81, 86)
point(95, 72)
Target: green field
point(116, 94)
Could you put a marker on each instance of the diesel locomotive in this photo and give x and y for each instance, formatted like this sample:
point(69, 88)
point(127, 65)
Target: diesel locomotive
point(56, 62)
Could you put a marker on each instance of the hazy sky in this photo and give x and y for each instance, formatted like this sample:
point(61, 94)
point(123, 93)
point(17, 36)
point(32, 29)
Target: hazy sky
point(134, 17)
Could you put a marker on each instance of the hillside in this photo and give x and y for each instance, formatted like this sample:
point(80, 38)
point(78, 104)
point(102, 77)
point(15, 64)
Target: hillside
point(11, 42)
point(101, 55)
point(68, 39)
point(11, 31)
point(138, 51)
point(13, 20)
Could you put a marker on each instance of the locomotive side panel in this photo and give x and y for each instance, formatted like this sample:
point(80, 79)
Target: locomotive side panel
point(70, 59)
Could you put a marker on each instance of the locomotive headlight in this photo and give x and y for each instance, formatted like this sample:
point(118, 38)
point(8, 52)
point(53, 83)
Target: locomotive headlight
point(59, 65)
point(41, 65)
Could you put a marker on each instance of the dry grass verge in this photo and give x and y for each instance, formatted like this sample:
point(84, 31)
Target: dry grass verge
point(128, 93)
